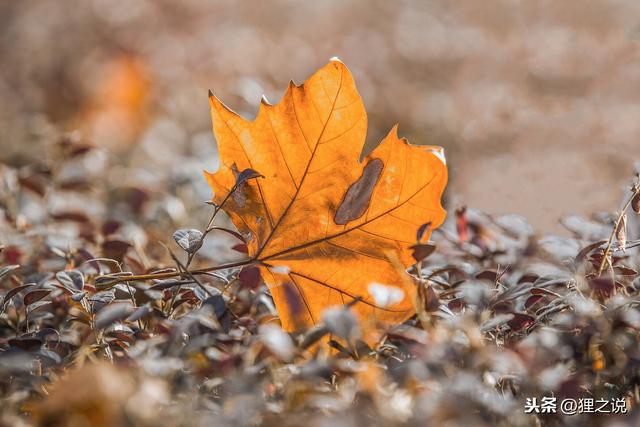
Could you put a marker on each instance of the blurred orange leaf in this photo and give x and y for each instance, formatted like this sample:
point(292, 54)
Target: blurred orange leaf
point(322, 224)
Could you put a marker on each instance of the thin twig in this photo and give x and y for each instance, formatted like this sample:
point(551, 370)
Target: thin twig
point(209, 228)
point(184, 270)
point(171, 274)
point(635, 191)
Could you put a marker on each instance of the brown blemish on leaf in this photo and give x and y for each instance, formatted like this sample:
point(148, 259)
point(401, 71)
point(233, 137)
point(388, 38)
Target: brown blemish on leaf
point(357, 198)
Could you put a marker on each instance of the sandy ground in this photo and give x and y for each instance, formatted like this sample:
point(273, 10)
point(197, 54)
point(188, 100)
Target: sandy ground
point(536, 102)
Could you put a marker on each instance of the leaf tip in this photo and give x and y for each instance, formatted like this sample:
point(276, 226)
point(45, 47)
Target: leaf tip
point(264, 101)
point(437, 151)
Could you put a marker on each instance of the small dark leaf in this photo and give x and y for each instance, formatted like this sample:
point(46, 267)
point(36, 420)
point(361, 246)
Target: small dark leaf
point(342, 350)
point(240, 247)
point(188, 239)
point(313, 335)
point(51, 355)
point(540, 291)
point(78, 150)
point(250, 277)
point(431, 300)
point(90, 259)
point(79, 217)
point(520, 321)
point(115, 249)
point(623, 270)
point(587, 250)
point(79, 296)
point(71, 279)
point(528, 278)
point(136, 198)
point(238, 193)
point(422, 230)
point(12, 254)
point(218, 303)
point(104, 297)
point(35, 183)
point(456, 304)
point(487, 275)
point(139, 313)
point(26, 343)
point(342, 322)
point(110, 227)
point(603, 286)
point(501, 307)
point(13, 292)
point(533, 300)
point(635, 203)
point(7, 269)
point(421, 251)
point(461, 224)
point(220, 309)
point(34, 296)
point(34, 306)
point(246, 175)
point(113, 313)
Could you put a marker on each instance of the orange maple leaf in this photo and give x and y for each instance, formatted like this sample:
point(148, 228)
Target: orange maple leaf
point(322, 225)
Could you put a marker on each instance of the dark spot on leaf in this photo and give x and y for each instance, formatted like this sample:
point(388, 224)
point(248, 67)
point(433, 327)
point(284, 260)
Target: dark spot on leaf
point(357, 198)
point(296, 304)
point(241, 178)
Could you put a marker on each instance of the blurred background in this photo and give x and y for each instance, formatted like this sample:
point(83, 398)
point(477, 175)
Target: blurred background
point(535, 102)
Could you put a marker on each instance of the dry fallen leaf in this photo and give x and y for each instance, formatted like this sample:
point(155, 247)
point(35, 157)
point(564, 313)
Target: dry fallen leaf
point(320, 219)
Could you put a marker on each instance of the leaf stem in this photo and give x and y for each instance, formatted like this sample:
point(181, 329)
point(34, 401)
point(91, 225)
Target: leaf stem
point(171, 274)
